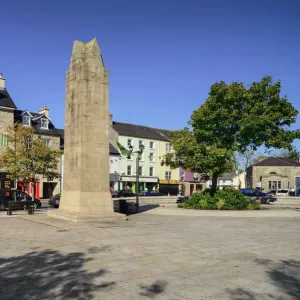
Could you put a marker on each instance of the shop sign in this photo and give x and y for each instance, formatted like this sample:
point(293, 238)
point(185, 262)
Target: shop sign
point(170, 182)
point(141, 179)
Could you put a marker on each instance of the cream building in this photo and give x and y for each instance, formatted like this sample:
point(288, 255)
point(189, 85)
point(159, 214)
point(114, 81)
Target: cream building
point(152, 175)
point(274, 173)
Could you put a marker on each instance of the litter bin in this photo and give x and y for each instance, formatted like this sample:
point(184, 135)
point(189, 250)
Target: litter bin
point(123, 206)
point(30, 210)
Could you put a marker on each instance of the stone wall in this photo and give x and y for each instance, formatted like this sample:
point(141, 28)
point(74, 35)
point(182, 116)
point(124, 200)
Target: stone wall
point(6, 119)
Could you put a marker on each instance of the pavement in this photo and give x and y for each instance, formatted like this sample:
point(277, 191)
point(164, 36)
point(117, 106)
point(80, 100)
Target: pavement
point(162, 253)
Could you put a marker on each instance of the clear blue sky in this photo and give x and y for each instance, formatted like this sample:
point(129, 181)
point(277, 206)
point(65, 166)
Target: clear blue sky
point(162, 55)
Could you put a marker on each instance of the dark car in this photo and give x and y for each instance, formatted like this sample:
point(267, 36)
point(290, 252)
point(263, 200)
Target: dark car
point(124, 193)
point(150, 194)
point(12, 195)
point(54, 201)
point(258, 195)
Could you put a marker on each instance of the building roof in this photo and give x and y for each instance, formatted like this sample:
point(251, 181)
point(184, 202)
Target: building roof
point(5, 99)
point(228, 176)
point(276, 162)
point(112, 149)
point(139, 131)
point(36, 123)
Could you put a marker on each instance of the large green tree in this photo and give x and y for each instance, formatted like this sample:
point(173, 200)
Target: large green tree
point(27, 156)
point(233, 118)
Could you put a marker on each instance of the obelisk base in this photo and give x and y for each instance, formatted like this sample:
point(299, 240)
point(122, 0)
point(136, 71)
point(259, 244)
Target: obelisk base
point(87, 217)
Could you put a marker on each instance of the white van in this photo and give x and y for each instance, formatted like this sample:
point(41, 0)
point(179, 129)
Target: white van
point(282, 193)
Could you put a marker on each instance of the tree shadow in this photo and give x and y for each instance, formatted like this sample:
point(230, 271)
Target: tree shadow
point(49, 274)
point(284, 275)
point(156, 288)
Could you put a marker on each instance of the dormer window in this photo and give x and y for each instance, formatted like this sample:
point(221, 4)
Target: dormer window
point(44, 123)
point(26, 120)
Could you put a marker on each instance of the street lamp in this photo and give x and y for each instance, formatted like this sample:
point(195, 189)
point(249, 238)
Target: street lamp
point(138, 157)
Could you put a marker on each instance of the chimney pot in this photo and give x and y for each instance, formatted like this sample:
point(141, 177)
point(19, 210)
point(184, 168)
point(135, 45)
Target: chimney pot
point(2, 82)
point(44, 110)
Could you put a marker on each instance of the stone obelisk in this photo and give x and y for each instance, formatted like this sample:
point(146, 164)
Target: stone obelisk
point(86, 196)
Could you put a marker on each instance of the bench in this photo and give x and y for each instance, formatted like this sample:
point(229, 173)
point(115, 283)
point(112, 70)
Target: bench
point(26, 205)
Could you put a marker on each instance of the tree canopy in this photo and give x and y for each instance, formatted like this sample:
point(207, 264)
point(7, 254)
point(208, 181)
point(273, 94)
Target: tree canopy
point(234, 117)
point(27, 156)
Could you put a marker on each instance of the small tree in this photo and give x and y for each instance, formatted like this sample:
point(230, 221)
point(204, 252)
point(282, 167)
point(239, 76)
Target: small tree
point(234, 118)
point(27, 156)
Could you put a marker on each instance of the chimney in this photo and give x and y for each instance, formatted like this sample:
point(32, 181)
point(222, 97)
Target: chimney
point(2, 82)
point(44, 110)
point(110, 119)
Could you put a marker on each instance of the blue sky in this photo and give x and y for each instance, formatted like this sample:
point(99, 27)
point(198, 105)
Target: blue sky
point(162, 55)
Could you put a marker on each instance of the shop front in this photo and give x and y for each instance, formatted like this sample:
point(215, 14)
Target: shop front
point(191, 182)
point(169, 187)
point(129, 183)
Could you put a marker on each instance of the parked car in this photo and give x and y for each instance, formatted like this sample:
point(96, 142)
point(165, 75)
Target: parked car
point(292, 193)
point(281, 193)
point(258, 195)
point(54, 201)
point(124, 193)
point(150, 193)
point(12, 195)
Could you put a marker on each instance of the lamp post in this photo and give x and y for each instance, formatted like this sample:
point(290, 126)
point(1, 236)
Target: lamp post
point(138, 157)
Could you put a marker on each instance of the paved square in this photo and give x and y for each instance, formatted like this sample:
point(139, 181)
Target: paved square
point(154, 255)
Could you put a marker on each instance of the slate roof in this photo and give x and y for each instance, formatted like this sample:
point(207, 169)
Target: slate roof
point(228, 176)
point(139, 131)
point(5, 99)
point(36, 124)
point(276, 161)
point(112, 149)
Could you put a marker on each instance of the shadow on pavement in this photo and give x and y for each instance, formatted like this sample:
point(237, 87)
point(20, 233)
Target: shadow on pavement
point(49, 275)
point(156, 288)
point(285, 276)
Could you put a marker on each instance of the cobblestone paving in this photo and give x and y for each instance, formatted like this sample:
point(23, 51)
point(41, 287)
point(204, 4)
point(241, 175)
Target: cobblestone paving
point(152, 256)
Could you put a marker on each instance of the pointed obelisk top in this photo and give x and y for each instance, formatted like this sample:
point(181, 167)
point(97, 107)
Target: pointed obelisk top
point(83, 50)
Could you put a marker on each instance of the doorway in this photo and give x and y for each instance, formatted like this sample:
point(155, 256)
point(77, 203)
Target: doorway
point(48, 189)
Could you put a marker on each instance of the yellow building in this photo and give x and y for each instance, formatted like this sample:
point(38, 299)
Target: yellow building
point(152, 175)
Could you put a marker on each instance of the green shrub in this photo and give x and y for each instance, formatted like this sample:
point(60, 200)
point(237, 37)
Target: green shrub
point(180, 205)
point(233, 199)
point(203, 203)
point(194, 200)
point(254, 206)
point(220, 203)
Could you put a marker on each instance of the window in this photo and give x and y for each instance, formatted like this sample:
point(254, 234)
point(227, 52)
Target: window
point(26, 120)
point(167, 175)
point(151, 157)
point(4, 140)
point(151, 171)
point(141, 143)
point(129, 142)
point(279, 185)
point(128, 170)
point(151, 145)
point(44, 123)
point(182, 176)
point(270, 185)
point(140, 171)
point(168, 148)
point(47, 142)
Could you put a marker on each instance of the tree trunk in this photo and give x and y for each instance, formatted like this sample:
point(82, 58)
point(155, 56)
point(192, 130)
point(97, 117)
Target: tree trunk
point(214, 183)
